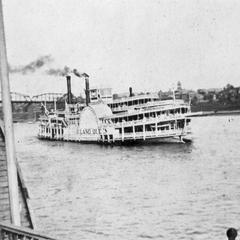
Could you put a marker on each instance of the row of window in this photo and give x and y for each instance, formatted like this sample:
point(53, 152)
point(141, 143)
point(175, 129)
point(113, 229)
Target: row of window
point(130, 103)
point(180, 125)
point(150, 115)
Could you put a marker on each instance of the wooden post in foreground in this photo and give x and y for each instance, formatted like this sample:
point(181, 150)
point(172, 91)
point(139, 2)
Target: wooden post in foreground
point(8, 126)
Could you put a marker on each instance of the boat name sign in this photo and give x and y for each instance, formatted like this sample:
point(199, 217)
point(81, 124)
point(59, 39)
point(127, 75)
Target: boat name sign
point(91, 131)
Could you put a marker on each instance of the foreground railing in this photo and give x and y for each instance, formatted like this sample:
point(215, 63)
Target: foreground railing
point(11, 232)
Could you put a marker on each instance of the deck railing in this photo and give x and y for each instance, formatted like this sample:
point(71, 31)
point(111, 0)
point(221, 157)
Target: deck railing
point(151, 134)
point(150, 120)
point(11, 232)
point(162, 103)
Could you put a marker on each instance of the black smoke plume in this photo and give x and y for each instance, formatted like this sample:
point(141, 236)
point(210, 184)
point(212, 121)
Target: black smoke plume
point(75, 71)
point(64, 72)
point(32, 66)
point(58, 72)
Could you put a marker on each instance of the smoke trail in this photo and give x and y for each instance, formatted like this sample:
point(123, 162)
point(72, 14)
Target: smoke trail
point(65, 71)
point(58, 72)
point(32, 66)
point(75, 71)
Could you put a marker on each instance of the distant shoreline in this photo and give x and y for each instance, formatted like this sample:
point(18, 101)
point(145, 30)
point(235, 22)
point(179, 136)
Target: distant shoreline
point(215, 113)
point(33, 117)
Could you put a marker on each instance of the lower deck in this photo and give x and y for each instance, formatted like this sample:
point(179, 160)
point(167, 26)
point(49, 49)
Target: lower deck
point(114, 137)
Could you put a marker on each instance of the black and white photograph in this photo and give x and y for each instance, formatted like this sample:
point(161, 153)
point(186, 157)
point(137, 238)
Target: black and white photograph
point(119, 119)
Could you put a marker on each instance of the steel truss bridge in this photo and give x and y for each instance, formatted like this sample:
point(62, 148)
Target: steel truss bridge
point(44, 97)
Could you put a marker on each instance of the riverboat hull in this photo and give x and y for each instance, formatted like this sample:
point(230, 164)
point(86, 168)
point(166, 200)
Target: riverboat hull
point(156, 140)
point(181, 138)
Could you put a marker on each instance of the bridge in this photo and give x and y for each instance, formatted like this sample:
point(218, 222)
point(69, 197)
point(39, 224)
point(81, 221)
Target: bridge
point(47, 97)
point(44, 97)
point(18, 97)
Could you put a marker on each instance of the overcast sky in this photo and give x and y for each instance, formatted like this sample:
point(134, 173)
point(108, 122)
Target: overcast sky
point(146, 44)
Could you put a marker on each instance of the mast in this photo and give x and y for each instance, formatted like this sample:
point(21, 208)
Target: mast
point(8, 126)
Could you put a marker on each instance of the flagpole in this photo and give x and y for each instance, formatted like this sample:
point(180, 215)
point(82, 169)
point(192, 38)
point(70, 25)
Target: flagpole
point(8, 126)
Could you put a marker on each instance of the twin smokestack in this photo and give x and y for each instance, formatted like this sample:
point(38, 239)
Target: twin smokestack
point(87, 88)
point(69, 92)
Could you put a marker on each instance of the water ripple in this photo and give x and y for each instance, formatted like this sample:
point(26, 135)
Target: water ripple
point(178, 191)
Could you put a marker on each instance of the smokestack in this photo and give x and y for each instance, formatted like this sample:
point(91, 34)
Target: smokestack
point(87, 89)
point(130, 92)
point(69, 93)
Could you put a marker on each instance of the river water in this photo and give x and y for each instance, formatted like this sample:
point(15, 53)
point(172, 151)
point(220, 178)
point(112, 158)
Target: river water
point(164, 191)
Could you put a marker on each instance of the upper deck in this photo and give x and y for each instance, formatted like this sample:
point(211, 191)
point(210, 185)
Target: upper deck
point(125, 103)
point(136, 99)
point(159, 107)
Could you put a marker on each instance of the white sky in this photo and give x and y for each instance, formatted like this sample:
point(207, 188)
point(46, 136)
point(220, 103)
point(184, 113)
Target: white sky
point(146, 44)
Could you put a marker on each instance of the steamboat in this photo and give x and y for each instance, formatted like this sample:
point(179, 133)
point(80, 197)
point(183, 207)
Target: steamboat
point(142, 118)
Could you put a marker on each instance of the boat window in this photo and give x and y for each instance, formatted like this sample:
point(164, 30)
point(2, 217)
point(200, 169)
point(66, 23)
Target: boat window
point(148, 128)
point(128, 130)
point(138, 128)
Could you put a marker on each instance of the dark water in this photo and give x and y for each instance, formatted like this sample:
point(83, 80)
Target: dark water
point(168, 191)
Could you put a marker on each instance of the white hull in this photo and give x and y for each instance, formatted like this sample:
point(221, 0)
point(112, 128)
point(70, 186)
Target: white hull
point(171, 136)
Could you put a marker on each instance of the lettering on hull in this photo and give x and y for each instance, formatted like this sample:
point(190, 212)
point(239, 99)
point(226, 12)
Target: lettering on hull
point(90, 131)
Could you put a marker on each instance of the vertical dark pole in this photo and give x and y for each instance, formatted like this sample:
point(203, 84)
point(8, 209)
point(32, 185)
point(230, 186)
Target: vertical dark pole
point(8, 126)
point(69, 93)
point(87, 90)
point(130, 92)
